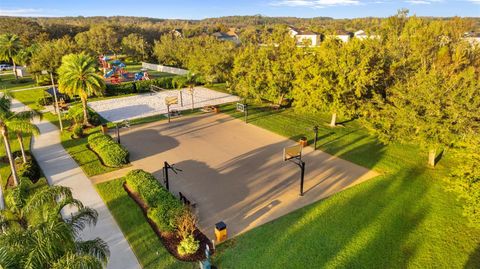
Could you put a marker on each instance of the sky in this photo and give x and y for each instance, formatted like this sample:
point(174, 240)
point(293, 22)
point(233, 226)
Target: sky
point(199, 9)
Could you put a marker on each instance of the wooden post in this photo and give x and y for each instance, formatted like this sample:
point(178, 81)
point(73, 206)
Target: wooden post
point(432, 154)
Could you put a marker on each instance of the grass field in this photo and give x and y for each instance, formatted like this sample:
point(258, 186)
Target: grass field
point(8, 82)
point(30, 98)
point(147, 247)
point(402, 219)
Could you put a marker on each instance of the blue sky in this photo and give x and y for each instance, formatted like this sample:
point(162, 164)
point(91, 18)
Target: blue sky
point(191, 9)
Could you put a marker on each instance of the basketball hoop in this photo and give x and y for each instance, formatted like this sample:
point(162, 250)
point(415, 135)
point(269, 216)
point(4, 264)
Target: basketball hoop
point(294, 154)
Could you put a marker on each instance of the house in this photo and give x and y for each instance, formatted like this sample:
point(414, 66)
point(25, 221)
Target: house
point(360, 34)
point(177, 33)
point(343, 35)
point(472, 38)
point(231, 35)
point(305, 37)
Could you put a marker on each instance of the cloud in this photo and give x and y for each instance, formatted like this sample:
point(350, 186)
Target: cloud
point(23, 12)
point(422, 2)
point(315, 3)
point(475, 1)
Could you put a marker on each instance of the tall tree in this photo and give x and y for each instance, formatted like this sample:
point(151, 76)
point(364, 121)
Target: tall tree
point(21, 124)
point(10, 46)
point(338, 78)
point(78, 76)
point(135, 46)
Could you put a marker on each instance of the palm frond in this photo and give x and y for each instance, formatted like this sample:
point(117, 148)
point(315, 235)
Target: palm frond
point(47, 195)
point(96, 248)
point(77, 261)
point(8, 259)
point(83, 217)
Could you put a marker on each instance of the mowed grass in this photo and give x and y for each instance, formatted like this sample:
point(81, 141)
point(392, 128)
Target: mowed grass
point(8, 82)
point(402, 219)
point(30, 97)
point(147, 247)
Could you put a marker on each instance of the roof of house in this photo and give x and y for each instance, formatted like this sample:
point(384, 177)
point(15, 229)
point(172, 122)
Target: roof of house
point(343, 32)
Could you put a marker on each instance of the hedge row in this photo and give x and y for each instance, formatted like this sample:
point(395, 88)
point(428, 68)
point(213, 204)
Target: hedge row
point(163, 207)
point(141, 86)
point(111, 153)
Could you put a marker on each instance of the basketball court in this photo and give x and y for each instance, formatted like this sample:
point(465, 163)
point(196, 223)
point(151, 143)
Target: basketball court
point(234, 172)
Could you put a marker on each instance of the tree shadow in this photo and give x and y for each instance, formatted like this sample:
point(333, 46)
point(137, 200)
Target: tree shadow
point(474, 259)
point(330, 233)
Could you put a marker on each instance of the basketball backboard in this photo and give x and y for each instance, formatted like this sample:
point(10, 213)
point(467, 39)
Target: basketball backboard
point(292, 152)
point(171, 100)
point(240, 107)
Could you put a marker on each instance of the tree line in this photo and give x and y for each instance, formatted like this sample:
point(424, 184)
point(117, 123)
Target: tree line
point(416, 80)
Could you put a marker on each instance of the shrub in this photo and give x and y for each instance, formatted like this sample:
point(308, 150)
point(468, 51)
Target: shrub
point(29, 170)
point(186, 224)
point(77, 130)
point(188, 246)
point(164, 208)
point(111, 153)
point(45, 101)
point(142, 86)
point(75, 113)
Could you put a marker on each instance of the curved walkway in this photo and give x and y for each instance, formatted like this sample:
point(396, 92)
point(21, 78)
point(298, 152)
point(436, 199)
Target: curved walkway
point(59, 168)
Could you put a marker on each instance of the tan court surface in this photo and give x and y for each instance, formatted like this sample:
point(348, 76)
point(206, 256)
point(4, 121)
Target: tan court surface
point(234, 171)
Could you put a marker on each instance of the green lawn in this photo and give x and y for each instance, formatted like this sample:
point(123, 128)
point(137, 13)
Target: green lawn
point(147, 247)
point(402, 219)
point(30, 98)
point(8, 82)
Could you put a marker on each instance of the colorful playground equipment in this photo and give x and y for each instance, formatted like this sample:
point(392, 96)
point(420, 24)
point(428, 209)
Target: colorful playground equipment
point(114, 71)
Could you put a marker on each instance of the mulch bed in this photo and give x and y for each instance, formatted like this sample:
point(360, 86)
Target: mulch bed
point(171, 240)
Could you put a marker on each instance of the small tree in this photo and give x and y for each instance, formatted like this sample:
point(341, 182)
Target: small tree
point(10, 46)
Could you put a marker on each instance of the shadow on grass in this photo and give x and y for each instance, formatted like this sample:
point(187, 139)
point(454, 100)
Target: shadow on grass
point(347, 231)
point(474, 259)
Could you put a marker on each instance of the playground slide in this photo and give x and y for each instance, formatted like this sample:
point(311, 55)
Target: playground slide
point(138, 76)
point(109, 73)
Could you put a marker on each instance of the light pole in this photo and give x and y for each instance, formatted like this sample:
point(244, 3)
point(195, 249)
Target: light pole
point(315, 129)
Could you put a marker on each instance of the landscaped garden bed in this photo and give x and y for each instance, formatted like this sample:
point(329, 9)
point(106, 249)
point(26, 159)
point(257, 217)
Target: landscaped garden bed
point(162, 211)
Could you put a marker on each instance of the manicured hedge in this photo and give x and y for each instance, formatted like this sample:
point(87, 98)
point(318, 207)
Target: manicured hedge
point(163, 207)
point(111, 153)
point(142, 86)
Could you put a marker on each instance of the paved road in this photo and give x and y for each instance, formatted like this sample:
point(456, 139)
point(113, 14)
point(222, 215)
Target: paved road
point(59, 168)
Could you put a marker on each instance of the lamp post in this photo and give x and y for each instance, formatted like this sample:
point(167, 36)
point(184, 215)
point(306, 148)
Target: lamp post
point(315, 129)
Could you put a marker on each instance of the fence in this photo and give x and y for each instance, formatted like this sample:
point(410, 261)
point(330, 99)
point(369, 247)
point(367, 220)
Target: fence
point(166, 69)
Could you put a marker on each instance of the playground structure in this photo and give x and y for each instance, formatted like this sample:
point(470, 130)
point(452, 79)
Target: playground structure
point(114, 71)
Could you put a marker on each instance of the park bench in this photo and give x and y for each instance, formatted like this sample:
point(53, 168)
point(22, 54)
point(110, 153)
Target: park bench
point(210, 109)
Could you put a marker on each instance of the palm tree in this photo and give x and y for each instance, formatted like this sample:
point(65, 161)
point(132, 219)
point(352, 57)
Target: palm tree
point(21, 123)
point(4, 119)
point(9, 47)
point(78, 76)
point(39, 238)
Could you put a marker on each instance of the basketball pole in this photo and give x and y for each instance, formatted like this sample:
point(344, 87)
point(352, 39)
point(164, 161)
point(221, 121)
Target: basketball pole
point(302, 167)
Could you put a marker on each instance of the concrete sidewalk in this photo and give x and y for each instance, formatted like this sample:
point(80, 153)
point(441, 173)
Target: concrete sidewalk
point(60, 169)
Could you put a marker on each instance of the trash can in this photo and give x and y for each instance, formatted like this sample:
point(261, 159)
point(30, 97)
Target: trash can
point(221, 231)
point(104, 129)
point(303, 141)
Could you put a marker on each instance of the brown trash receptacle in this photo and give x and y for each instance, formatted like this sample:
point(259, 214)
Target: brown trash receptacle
point(221, 231)
point(303, 141)
point(104, 128)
